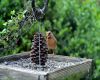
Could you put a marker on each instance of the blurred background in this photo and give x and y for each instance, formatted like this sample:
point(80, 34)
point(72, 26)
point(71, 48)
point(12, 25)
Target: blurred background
point(75, 24)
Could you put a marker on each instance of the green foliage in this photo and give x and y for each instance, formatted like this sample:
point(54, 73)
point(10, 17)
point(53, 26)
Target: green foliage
point(6, 6)
point(75, 23)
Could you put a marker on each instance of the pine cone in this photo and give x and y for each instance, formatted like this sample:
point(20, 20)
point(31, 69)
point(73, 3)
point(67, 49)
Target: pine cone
point(35, 50)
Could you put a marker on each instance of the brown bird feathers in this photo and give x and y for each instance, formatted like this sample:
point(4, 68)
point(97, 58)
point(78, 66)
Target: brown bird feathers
point(51, 41)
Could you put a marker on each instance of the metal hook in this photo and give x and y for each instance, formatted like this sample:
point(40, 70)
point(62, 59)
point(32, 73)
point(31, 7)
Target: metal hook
point(39, 12)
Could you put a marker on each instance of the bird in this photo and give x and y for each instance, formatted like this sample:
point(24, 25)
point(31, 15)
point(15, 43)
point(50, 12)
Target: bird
point(51, 42)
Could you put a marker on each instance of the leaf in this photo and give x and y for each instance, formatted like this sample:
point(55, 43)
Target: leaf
point(12, 12)
point(5, 24)
point(4, 31)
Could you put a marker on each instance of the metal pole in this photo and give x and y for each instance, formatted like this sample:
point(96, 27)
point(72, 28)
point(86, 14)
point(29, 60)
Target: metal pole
point(39, 48)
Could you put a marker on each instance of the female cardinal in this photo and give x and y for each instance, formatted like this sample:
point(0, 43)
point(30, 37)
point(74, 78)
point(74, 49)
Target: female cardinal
point(51, 42)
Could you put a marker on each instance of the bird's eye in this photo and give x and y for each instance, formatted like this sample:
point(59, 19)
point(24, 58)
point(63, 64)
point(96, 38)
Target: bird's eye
point(48, 33)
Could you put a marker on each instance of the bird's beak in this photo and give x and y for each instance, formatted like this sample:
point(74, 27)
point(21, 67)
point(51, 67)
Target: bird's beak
point(48, 35)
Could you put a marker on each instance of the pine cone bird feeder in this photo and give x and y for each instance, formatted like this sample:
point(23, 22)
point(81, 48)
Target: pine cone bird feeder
point(39, 50)
point(39, 47)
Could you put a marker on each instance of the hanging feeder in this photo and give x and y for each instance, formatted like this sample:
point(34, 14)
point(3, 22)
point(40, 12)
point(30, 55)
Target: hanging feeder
point(39, 50)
